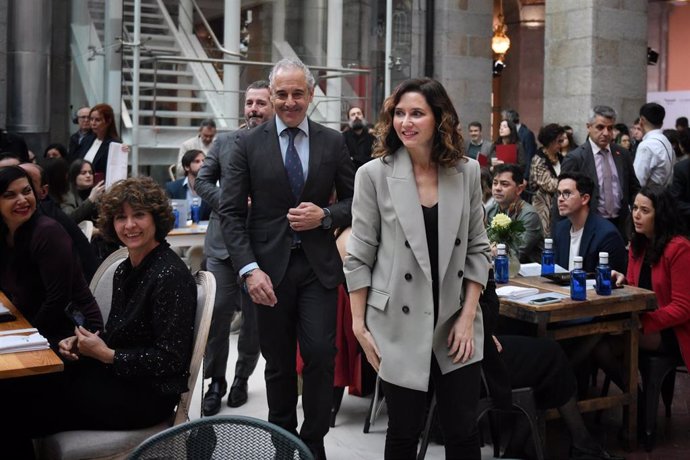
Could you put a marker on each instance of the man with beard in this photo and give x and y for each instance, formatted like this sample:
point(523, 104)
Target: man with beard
point(202, 141)
point(185, 188)
point(257, 110)
point(357, 138)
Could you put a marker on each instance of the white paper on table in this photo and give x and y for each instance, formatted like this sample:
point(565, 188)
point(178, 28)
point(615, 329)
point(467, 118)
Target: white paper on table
point(17, 343)
point(534, 269)
point(515, 292)
point(117, 164)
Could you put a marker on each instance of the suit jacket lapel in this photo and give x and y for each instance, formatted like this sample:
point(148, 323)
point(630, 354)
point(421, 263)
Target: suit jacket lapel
point(587, 236)
point(274, 158)
point(315, 157)
point(591, 171)
point(405, 199)
point(450, 209)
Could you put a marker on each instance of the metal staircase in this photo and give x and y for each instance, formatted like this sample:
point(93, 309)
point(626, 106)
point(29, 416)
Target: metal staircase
point(172, 100)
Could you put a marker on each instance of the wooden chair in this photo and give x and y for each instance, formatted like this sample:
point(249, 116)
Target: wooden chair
point(99, 444)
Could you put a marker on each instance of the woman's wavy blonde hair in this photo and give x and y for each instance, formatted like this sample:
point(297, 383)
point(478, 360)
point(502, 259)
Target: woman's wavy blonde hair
point(141, 193)
point(447, 147)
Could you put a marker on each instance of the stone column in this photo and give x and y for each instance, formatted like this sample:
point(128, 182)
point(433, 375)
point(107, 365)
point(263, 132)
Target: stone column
point(595, 54)
point(463, 59)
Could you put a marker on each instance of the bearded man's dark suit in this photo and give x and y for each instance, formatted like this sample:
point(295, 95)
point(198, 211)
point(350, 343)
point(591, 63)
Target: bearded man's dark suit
point(582, 160)
point(307, 290)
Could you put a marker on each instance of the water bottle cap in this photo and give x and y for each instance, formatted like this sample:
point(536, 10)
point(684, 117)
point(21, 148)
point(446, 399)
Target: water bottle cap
point(604, 254)
point(501, 248)
point(548, 243)
point(577, 259)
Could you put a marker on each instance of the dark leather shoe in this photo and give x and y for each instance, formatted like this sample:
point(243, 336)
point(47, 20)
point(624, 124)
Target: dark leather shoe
point(586, 453)
point(238, 392)
point(214, 396)
point(317, 450)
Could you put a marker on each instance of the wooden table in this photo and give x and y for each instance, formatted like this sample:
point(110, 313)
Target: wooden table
point(617, 313)
point(25, 363)
point(192, 235)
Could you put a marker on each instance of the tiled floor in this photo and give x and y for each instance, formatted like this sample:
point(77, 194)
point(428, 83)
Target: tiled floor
point(347, 441)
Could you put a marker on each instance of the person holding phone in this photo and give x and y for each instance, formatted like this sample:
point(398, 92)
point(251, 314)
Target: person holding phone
point(81, 201)
point(129, 375)
point(39, 272)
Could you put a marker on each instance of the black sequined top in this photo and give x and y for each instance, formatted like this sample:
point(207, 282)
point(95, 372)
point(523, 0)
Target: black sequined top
point(151, 322)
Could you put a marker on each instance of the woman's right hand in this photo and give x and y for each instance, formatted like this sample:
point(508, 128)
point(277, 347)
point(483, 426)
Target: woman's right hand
point(617, 278)
point(366, 340)
point(68, 348)
point(97, 191)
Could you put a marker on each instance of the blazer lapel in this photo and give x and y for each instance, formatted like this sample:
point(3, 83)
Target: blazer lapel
point(315, 157)
point(587, 236)
point(274, 158)
point(450, 209)
point(405, 199)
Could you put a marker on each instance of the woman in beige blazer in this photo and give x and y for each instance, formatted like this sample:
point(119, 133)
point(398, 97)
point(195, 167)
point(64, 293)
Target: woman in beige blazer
point(418, 258)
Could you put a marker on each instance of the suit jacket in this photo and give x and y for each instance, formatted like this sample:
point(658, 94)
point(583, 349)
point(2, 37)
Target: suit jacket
point(529, 144)
point(100, 161)
point(177, 190)
point(388, 253)
point(582, 160)
point(255, 168)
point(598, 235)
point(485, 149)
point(213, 171)
point(680, 187)
point(669, 283)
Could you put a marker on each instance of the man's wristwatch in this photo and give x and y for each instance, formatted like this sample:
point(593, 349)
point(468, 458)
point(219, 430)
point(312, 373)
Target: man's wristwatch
point(243, 278)
point(327, 220)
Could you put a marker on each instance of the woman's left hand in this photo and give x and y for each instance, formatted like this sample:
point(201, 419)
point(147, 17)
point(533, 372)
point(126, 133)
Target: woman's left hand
point(90, 344)
point(461, 339)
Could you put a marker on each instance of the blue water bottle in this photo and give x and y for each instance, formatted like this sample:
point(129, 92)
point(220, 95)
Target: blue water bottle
point(578, 281)
point(501, 265)
point(176, 215)
point(603, 274)
point(196, 210)
point(547, 258)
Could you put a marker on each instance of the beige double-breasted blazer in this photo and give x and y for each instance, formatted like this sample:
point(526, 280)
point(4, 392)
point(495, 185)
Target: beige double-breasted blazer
point(387, 253)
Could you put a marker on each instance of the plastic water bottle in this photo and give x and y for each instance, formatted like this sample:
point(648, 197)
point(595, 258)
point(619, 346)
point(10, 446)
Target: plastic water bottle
point(176, 214)
point(196, 210)
point(501, 265)
point(603, 274)
point(547, 258)
point(578, 281)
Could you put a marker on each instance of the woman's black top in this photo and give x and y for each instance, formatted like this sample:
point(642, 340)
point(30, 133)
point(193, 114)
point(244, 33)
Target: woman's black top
point(151, 322)
point(431, 226)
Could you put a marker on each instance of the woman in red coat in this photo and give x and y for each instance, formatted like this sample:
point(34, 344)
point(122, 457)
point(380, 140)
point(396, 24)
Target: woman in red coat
point(659, 259)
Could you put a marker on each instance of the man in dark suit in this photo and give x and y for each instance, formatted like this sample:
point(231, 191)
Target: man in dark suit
point(258, 109)
point(609, 165)
point(284, 249)
point(82, 119)
point(527, 139)
point(680, 186)
point(184, 189)
point(584, 233)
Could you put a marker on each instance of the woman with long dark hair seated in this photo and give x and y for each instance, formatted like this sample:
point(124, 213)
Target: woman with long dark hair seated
point(659, 259)
point(131, 375)
point(81, 201)
point(38, 270)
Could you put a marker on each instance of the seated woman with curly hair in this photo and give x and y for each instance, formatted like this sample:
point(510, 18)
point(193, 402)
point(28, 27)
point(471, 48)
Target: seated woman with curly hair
point(131, 375)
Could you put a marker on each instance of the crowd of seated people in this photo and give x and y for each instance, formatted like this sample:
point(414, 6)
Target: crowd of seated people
point(594, 197)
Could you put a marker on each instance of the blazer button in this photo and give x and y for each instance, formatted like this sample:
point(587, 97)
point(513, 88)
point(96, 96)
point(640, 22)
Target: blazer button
point(457, 241)
point(408, 277)
point(461, 274)
point(405, 309)
point(407, 244)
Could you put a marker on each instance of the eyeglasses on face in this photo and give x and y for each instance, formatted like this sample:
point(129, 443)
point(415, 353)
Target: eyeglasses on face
point(565, 194)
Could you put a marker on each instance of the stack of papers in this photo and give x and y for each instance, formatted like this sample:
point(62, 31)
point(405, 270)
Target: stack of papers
point(515, 292)
point(534, 269)
point(22, 340)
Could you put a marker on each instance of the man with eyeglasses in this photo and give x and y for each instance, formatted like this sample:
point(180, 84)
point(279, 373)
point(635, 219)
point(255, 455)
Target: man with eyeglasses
point(81, 119)
point(609, 165)
point(583, 233)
